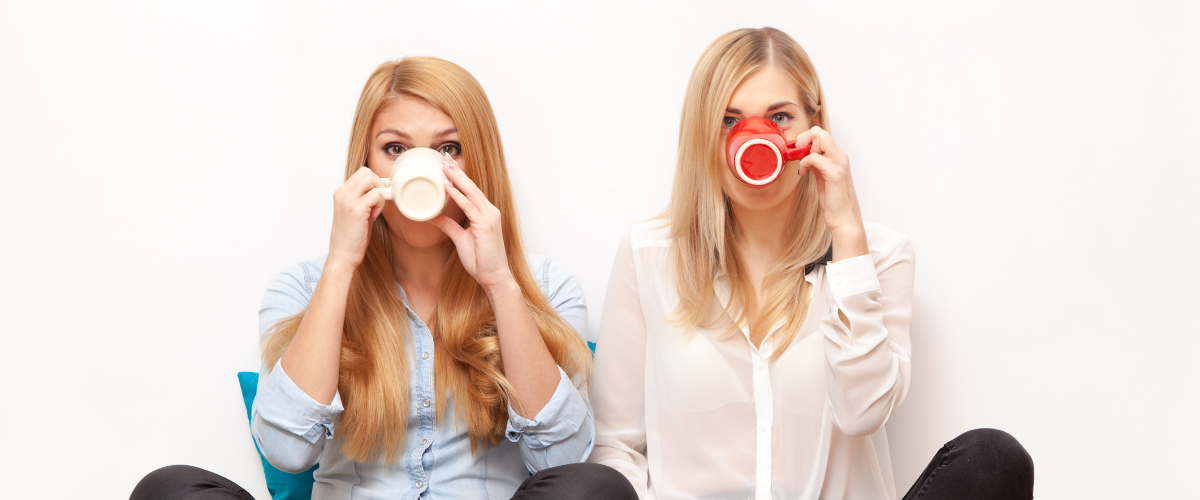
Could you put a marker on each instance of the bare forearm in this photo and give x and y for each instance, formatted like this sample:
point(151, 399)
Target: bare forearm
point(314, 356)
point(528, 364)
point(849, 241)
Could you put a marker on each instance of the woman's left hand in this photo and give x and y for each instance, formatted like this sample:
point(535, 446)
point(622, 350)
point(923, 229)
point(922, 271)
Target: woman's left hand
point(481, 244)
point(835, 189)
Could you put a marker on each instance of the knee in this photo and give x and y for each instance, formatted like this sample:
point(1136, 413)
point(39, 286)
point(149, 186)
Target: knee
point(167, 479)
point(998, 451)
point(590, 481)
point(609, 482)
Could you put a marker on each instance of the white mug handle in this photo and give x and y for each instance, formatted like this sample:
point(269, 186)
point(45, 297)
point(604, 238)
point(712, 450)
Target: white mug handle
point(386, 190)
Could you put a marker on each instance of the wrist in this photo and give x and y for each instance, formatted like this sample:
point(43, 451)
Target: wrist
point(338, 267)
point(501, 286)
point(852, 230)
point(849, 240)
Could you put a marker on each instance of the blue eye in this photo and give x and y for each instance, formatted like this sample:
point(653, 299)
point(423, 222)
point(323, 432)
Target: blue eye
point(451, 148)
point(729, 122)
point(782, 119)
point(394, 148)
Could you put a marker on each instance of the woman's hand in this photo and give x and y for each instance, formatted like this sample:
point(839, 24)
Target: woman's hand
point(835, 189)
point(481, 245)
point(355, 207)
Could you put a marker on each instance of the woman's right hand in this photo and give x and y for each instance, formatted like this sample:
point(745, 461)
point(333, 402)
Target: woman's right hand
point(355, 206)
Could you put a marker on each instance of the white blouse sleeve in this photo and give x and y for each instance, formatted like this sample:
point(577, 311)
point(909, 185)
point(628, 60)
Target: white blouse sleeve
point(619, 375)
point(868, 363)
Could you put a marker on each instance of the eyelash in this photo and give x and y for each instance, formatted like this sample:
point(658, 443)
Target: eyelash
point(787, 117)
point(395, 148)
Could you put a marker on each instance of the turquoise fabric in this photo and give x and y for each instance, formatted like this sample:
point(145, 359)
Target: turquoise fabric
point(283, 486)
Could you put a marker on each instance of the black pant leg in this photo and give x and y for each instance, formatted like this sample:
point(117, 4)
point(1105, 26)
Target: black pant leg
point(982, 464)
point(184, 482)
point(576, 482)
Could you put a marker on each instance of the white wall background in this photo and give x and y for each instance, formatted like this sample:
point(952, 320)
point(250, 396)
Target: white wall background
point(160, 162)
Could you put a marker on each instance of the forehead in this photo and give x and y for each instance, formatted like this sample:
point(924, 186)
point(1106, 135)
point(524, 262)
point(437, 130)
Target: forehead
point(411, 115)
point(762, 88)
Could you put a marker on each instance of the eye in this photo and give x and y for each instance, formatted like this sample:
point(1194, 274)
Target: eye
point(451, 148)
point(729, 122)
point(782, 119)
point(394, 148)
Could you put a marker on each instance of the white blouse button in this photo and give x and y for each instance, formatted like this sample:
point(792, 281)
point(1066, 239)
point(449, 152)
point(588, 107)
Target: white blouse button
point(837, 280)
point(763, 429)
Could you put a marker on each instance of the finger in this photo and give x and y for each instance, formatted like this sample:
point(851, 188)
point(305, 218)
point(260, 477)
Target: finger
point(371, 203)
point(465, 184)
point(363, 180)
point(468, 208)
point(448, 226)
point(828, 169)
point(810, 136)
point(819, 140)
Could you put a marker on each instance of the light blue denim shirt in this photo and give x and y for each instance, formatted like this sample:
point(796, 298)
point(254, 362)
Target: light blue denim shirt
point(294, 431)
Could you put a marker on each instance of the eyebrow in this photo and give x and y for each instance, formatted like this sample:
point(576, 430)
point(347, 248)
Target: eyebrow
point(406, 136)
point(770, 108)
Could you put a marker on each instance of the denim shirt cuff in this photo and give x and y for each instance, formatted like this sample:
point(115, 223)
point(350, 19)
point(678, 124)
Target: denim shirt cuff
point(284, 405)
point(560, 419)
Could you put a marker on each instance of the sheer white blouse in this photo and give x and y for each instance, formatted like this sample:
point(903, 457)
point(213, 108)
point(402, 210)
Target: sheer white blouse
point(698, 414)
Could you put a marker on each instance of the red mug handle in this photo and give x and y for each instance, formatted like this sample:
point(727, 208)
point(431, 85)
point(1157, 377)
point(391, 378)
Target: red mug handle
point(794, 153)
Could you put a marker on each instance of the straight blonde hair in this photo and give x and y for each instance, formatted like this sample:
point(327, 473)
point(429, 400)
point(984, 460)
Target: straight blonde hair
point(374, 372)
point(703, 231)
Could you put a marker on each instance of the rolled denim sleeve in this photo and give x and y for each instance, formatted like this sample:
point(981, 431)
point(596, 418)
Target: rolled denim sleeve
point(289, 426)
point(561, 433)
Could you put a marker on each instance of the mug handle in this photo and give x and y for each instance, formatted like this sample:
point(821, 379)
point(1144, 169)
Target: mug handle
point(386, 190)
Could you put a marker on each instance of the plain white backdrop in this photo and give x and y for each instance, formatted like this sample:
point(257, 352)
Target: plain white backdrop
point(160, 162)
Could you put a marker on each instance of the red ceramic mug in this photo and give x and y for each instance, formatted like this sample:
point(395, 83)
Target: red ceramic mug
point(757, 151)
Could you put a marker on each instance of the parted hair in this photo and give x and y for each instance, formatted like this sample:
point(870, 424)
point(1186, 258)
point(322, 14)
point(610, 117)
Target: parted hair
point(374, 371)
point(703, 230)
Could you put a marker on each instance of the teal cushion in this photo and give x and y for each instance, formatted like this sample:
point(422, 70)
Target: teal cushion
point(283, 486)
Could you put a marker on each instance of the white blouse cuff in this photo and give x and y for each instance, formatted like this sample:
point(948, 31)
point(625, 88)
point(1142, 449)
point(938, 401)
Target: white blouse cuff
point(852, 276)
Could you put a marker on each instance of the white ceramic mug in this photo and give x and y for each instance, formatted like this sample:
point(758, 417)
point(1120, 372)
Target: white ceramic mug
point(417, 185)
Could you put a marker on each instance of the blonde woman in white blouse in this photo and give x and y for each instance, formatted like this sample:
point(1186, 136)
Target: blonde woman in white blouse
point(755, 340)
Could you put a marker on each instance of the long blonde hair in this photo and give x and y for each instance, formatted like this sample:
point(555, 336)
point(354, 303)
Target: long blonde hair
point(374, 372)
point(703, 230)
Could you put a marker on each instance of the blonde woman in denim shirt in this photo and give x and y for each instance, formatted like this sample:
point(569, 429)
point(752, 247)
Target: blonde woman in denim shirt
point(423, 359)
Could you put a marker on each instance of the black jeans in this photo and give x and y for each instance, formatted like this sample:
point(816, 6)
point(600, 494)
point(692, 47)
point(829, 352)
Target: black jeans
point(983, 464)
point(568, 482)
